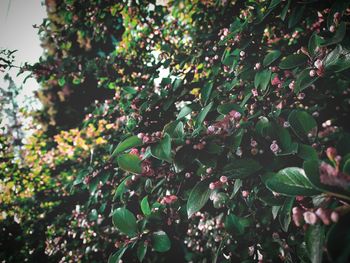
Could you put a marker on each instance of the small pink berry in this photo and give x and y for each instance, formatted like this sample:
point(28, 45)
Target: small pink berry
point(310, 217)
point(212, 186)
point(223, 179)
point(331, 153)
point(312, 73)
point(209, 170)
point(334, 217)
point(245, 194)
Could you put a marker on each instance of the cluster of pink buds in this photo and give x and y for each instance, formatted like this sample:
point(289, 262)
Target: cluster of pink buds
point(309, 217)
point(218, 184)
point(276, 82)
point(150, 138)
point(319, 69)
point(223, 33)
point(200, 145)
point(227, 125)
point(168, 199)
point(330, 175)
point(274, 147)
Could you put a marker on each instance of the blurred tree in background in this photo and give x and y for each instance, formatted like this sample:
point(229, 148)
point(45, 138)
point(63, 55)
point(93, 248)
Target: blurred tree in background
point(187, 131)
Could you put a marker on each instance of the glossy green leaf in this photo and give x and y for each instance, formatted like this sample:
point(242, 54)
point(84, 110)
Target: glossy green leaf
point(307, 152)
point(293, 61)
point(127, 144)
point(160, 241)
point(241, 168)
point(145, 208)
point(202, 114)
point(315, 237)
point(125, 221)
point(304, 81)
point(141, 251)
point(337, 37)
point(130, 163)
point(296, 15)
point(303, 124)
point(291, 181)
point(162, 149)
point(338, 240)
point(227, 107)
point(198, 197)
point(271, 57)
point(117, 256)
point(235, 224)
point(262, 79)
point(285, 214)
point(206, 91)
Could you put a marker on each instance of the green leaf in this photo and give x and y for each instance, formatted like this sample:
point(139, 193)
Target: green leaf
point(162, 150)
point(296, 15)
point(121, 189)
point(303, 124)
point(130, 163)
point(145, 208)
point(314, 42)
point(338, 36)
point(202, 114)
point(117, 256)
point(262, 79)
point(125, 221)
point(285, 10)
point(141, 251)
point(198, 198)
point(271, 57)
point(206, 91)
point(338, 240)
point(128, 143)
point(307, 152)
point(285, 214)
point(236, 225)
point(241, 168)
point(184, 112)
point(346, 167)
point(227, 107)
point(315, 237)
point(291, 181)
point(160, 241)
point(263, 127)
point(304, 80)
point(293, 61)
point(274, 3)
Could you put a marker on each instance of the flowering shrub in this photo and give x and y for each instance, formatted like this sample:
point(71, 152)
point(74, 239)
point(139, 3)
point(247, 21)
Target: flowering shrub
point(226, 138)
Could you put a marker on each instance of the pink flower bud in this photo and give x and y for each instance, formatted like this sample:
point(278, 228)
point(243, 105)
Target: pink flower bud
point(323, 215)
point(134, 151)
point(223, 179)
point(312, 73)
point(168, 199)
point(276, 81)
point(310, 218)
point(209, 170)
point(334, 217)
point(245, 194)
point(331, 153)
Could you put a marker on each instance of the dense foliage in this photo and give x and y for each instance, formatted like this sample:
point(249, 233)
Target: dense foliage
point(226, 137)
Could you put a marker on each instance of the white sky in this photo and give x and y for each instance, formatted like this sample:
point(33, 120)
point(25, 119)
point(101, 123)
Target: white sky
point(17, 18)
